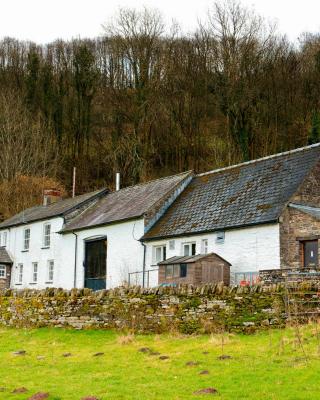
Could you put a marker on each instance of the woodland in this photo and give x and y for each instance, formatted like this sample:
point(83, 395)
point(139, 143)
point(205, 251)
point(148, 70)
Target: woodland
point(148, 100)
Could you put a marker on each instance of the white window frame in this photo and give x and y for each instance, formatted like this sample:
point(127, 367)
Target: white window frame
point(35, 272)
point(204, 246)
point(3, 271)
point(50, 271)
point(162, 249)
point(46, 236)
point(189, 245)
point(26, 240)
point(4, 239)
point(20, 274)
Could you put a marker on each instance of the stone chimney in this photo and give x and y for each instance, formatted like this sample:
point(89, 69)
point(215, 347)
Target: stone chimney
point(51, 196)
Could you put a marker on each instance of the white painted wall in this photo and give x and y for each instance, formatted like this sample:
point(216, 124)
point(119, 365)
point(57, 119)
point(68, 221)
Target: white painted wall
point(36, 253)
point(124, 252)
point(247, 249)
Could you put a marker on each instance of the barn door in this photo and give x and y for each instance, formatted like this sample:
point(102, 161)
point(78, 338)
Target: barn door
point(310, 251)
point(95, 264)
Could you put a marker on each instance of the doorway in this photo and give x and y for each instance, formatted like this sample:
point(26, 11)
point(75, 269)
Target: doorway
point(95, 264)
point(310, 254)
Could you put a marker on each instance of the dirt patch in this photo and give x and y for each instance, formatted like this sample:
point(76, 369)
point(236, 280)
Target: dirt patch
point(209, 390)
point(20, 390)
point(191, 363)
point(99, 354)
point(204, 372)
point(164, 358)
point(39, 396)
point(224, 357)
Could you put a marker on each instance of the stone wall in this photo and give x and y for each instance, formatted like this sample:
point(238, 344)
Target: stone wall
point(296, 226)
point(187, 309)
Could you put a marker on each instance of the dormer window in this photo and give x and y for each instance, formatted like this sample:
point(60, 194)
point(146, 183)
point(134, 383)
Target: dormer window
point(26, 239)
point(46, 235)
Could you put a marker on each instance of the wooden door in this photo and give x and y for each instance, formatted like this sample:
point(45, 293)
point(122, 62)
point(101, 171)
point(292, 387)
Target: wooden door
point(310, 252)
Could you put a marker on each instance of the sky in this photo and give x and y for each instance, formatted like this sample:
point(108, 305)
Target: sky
point(43, 21)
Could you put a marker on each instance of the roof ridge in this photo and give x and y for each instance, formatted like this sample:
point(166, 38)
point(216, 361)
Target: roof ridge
point(260, 159)
point(152, 180)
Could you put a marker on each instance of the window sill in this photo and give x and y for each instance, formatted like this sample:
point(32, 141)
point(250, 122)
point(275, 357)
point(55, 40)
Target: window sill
point(33, 283)
point(49, 283)
point(18, 284)
point(45, 247)
point(24, 251)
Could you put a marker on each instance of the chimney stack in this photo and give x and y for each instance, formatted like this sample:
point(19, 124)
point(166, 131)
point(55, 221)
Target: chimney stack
point(117, 181)
point(51, 196)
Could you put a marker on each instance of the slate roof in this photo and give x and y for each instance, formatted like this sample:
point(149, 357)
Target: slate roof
point(313, 211)
point(127, 203)
point(61, 207)
point(4, 256)
point(188, 259)
point(246, 194)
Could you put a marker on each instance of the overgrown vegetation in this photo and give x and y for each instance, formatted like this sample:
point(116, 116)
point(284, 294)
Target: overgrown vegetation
point(71, 365)
point(148, 100)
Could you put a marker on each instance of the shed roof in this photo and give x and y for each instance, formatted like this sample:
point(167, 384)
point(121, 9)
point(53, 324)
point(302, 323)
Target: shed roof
point(4, 256)
point(189, 259)
point(246, 194)
point(52, 210)
point(127, 203)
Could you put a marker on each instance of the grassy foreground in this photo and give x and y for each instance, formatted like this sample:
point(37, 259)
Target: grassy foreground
point(269, 365)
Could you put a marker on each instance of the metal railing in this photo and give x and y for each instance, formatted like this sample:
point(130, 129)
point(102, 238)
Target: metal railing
point(136, 278)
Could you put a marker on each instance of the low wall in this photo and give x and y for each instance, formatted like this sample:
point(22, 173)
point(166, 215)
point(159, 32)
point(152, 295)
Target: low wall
point(210, 308)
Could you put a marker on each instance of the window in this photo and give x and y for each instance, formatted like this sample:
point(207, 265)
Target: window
point(46, 235)
point(20, 273)
point(189, 249)
point(220, 237)
point(4, 239)
point(160, 253)
point(171, 244)
point(204, 246)
point(26, 239)
point(34, 272)
point(50, 270)
point(2, 271)
point(176, 271)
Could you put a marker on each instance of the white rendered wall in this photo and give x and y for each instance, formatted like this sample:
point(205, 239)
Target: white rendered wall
point(124, 252)
point(247, 249)
point(36, 253)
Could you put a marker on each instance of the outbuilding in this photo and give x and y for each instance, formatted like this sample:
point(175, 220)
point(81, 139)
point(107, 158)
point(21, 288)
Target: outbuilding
point(195, 270)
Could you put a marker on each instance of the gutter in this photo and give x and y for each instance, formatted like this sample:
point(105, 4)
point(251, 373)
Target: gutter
point(144, 264)
point(75, 260)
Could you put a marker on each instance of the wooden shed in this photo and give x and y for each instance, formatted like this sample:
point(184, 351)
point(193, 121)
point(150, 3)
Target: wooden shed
point(195, 270)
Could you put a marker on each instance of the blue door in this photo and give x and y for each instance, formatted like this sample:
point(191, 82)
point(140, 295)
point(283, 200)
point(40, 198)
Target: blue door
point(96, 264)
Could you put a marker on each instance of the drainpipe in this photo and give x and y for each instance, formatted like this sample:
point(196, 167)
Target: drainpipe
point(144, 264)
point(75, 260)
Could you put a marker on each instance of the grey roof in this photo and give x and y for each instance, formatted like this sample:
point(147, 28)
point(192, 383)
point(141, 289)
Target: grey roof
point(128, 203)
point(251, 193)
point(313, 211)
point(188, 259)
point(4, 256)
point(61, 207)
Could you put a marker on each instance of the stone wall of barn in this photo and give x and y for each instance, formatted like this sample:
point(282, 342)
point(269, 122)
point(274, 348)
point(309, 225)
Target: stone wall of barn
point(295, 227)
point(187, 309)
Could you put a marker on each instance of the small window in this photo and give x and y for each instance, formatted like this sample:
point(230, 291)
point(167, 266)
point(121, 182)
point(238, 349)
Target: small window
point(220, 237)
point(189, 249)
point(50, 270)
point(2, 271)
point(34, 272)
point(183, 270)
point(26, 239)
point(204, 246)
point(4, 239)
point(20, 273)
point(46, 235)
point(160, 254)
point(169, 271)
point(172, 244)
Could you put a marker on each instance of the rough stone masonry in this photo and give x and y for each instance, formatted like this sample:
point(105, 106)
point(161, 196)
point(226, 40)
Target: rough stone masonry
point(186, 309)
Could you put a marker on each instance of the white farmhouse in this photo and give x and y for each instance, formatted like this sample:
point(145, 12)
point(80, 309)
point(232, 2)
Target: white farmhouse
point(262, 214)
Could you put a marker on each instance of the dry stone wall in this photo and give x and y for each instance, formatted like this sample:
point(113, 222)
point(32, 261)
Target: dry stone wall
point(187, 309)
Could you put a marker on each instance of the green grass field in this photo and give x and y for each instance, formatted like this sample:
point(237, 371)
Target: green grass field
point(268, 365)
